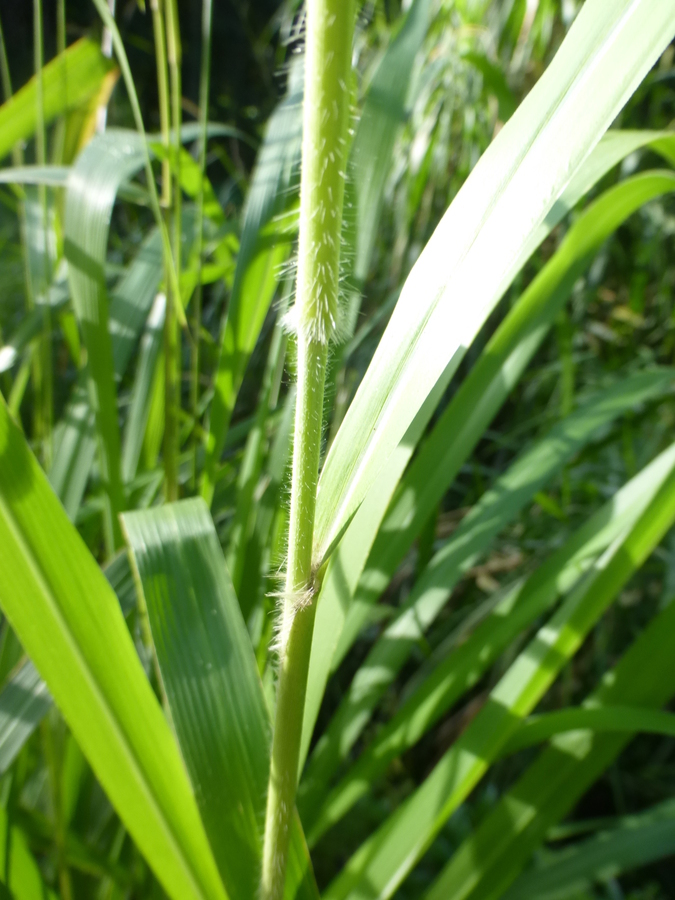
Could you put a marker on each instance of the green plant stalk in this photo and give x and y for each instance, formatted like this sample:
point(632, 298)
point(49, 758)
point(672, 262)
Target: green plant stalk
point(163, 94)
point(325, 120)
point(172, 344)
point(42, 370)
point(59, 133)
point(205, 68)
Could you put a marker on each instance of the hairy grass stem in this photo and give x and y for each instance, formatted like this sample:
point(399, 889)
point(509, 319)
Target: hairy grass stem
point(315, 316)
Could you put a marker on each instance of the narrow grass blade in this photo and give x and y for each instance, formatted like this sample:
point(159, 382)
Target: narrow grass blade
point(607, 52)
point(259, 263)
point(68, 81)
point(251, 464)
point(489, 860)
point(385, 859)
point(497, 507)
point(384, 110)
point(68, 619)
point(212, 682)
point(635, 841)
point(20, 875)
point(74, 450)
point(537, 729)
point(139, 411)
point(453, 673)
point(459, 428)
point(23, 702)
point(29, 328)
point(51, 176)
point(257, 562)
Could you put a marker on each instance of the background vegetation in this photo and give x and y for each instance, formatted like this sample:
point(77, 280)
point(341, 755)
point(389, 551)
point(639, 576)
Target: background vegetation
point(526, 560)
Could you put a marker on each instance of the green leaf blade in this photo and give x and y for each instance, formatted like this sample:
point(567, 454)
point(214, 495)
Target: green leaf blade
point(213, 687)
point(607, 52)
point(69, 621)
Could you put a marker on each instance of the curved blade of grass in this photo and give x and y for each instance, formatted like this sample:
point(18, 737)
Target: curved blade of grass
point(130, 303)
point(459, 670)
point(259, 263)
point(94, 180)
point(537, 729)
point(489, 860)
point(607, 52)
point(635, 841)
point(383, 862)
point(213, 687)
point(67, 618)
point(498, 506)
point(68, 81)
point(462, 424)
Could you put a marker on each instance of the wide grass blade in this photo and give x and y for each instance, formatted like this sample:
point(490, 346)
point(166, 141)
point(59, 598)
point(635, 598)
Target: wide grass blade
point(68, 81)
point(607, 52)
point(450, 672)
point(67, 617)
point(489, 860)
point(494, 376)
point(385, 859)
point(25, 699)
point(213, 687)
point(478, 399)
point(498, 506)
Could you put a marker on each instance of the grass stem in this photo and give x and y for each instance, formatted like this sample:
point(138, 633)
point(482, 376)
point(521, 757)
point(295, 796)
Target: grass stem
point(325, 119)
point(204, 71)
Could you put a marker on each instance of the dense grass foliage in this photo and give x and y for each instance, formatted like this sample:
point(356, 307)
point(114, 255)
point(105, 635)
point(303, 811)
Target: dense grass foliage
point(337, 474)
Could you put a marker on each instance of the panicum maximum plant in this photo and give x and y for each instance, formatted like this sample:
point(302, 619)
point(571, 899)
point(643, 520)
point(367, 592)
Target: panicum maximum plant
point(448, 426)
